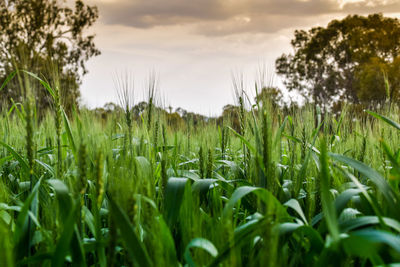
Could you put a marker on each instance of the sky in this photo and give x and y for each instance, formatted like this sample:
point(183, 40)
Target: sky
point(195, 47)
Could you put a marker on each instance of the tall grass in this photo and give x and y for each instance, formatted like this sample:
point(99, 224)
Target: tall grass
point(299, 188)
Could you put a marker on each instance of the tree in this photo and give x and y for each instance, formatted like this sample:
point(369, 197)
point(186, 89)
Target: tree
point(326, 60)
point(46, 37)
point(378, 81)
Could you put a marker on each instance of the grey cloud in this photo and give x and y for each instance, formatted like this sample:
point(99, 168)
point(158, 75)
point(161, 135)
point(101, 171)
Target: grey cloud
point(224, 17)
point(149, 13)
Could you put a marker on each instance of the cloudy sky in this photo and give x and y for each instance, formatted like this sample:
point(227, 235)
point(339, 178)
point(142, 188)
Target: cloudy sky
point(194, 46)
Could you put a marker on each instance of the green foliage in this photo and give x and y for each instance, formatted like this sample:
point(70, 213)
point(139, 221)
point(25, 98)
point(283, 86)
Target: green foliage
point(377, 81)
point(347, 59)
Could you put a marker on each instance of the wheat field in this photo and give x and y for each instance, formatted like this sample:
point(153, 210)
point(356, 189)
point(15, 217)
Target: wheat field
point(299, 187)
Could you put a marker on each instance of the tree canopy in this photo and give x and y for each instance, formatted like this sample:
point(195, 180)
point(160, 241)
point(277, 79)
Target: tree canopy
point(46, 37)
point(350, 58)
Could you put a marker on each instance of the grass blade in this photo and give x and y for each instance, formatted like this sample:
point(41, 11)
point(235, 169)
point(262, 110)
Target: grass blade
point(64, 243)
point(385, 119)
point(132, 243)
point(174, 193)
point(326, 197)
point(389, 194)
point(294, 204)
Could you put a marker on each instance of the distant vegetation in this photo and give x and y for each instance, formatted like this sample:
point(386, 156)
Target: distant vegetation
point(265, 184)
point(49, 39)
point(355, 60)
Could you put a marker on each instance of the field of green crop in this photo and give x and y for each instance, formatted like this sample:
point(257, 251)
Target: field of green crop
point(300, 188)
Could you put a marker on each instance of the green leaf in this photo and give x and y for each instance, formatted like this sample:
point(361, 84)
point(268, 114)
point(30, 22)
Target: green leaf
point(17, 156)
point(390, 196)
point(326, 197)
point(344, 197)
point(168, 243)
point(273, 205)
point(64, 243)
point(21, 234)
point(316, 241)
point(391, 157)
point(174, 193)
point(37, 258)
point(89, 220)
point(288, 227)
point(201, 243)
point(46, 167)
point(363, 243)
point(252, 148)
point(8, 79)
point(5, 216)
point(69, 134)
point(64, 200)
point(203, 185)
point(242, 235)
point(77, 249)
point(278, 135)
point(21, 113)
point(294, 204)
point(144, 166)
point(45, 84)
point(385, 119)
point(364, 221)
point(303, 170)
point(132, 243)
